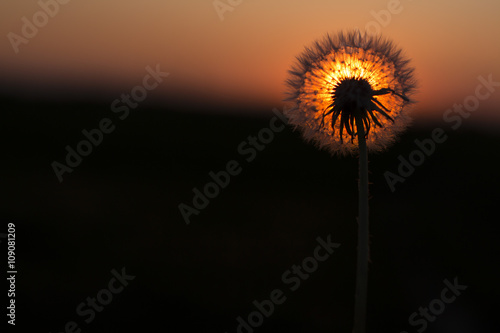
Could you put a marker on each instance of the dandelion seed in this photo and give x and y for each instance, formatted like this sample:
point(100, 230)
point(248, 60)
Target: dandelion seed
point(348, 76)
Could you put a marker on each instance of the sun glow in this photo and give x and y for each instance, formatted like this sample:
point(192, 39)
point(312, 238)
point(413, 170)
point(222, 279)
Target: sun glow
point(347, 78)
point(349, 63)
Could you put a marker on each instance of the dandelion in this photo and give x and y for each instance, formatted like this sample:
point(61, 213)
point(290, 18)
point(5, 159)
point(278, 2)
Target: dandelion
point(351, 94)
point(347, 77)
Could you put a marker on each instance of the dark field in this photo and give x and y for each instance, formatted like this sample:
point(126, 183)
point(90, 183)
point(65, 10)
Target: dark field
point(119, 208)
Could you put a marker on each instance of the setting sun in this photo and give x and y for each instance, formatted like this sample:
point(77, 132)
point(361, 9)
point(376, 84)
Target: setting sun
point(351, 68)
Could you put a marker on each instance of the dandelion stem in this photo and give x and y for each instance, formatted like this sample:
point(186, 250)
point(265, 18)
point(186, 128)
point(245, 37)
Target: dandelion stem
point(363, 240)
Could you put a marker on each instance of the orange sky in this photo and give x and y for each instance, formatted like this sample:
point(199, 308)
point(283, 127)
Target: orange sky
point(245, 57)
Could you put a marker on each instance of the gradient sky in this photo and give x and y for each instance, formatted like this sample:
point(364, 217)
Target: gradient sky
point(245, 57)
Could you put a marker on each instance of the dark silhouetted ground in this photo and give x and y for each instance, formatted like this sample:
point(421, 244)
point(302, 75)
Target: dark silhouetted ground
point(119, 208)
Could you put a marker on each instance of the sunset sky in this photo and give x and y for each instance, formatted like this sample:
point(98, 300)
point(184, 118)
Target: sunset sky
point(243, 59)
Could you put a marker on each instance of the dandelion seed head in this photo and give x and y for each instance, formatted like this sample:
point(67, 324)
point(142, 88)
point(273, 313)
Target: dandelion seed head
point(347, 74)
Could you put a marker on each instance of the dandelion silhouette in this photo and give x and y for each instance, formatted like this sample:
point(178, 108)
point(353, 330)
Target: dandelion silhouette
point(351, 94)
